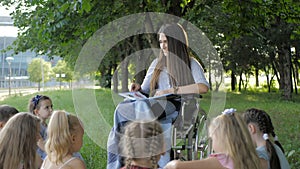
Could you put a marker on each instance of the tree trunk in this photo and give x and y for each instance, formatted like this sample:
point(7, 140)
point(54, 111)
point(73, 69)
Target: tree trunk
point(209, 76)
point(109, 76)
point(280, 68)
point(124, 74)
point(268, 79)
point(286, 72)
point(256, 77)
point(115, 81)
point(240, 81)
point(233, 80)
point(140, 62)
point(295, 79)
point(296, 62)
point(124, 68)
point(246, 81)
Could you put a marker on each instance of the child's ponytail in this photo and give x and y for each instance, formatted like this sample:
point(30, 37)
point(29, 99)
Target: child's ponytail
point(263, 121)
point(59, 137)
point(273, 133)
point(274, 160)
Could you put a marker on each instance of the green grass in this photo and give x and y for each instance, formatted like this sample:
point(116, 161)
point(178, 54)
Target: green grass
point(285, 117)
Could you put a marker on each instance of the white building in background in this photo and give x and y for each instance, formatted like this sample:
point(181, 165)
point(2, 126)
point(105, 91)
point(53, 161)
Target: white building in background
point(20, 63)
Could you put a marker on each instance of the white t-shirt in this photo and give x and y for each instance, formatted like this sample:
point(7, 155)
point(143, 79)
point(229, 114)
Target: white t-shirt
point(164, 82)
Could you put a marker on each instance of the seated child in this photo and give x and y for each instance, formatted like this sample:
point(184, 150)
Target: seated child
point(6, 112)
point(232, 145)
point(18, 142)
point(65, 136)
point(142, 145)
point(261, 128)
point(42, 107)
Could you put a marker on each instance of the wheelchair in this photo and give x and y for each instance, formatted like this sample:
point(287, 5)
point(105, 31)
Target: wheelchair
point(189, 131)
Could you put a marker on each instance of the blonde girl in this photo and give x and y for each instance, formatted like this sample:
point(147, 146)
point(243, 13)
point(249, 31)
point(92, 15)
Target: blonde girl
point(65, 136)
point(142, 145)
point(232, 145)
point(18, 142)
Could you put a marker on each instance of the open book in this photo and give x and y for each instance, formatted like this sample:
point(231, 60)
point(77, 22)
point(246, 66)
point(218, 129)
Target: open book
point(140, 96)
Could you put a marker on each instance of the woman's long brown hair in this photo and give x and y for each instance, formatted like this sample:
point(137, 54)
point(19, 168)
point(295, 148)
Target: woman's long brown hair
point(178, 62)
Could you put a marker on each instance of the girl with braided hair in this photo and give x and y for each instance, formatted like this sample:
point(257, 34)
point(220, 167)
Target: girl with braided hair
point(232, 145)
point(142, 144)
point(261, 128)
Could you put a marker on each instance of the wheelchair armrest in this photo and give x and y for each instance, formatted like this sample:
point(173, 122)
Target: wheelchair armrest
point(190, 96)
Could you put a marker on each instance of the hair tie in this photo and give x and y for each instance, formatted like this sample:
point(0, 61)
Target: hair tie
point(276, 138)
point(67, 113)
point(36, 100)
point(229, 111)
point(266, 136)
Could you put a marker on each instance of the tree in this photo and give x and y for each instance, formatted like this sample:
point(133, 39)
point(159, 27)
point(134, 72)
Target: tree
point(63, 72)
point(62, 28)
point(39, 71)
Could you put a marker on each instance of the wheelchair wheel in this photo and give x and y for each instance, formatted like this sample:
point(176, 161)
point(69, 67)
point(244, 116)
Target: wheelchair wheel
point(198, 145)
point(189, 137)
point(204, 143)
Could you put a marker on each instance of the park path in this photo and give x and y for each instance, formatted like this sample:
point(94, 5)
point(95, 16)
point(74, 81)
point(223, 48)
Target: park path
point(17, 92)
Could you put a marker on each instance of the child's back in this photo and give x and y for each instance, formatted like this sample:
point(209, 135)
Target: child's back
point(67, 163)
point(231, 143)
point(142, 144)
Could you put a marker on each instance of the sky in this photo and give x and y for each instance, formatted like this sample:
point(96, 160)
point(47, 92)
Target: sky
point(7, 31)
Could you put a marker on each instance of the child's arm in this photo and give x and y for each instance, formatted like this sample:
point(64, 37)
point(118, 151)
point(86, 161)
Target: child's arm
point(208, 163)
point(41, 144)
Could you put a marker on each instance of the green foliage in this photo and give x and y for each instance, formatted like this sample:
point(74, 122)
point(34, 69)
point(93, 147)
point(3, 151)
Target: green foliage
point(39, 70)
point(63, 71)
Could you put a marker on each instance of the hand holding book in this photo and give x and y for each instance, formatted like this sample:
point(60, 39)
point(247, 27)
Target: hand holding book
point(140, 96)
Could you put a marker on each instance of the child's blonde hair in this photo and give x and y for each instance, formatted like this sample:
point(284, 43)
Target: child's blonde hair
point(62, 126)
point(142, 140)
point(231, 129)
point(18, 141)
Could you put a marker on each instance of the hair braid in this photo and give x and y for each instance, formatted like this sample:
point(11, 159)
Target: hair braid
point(263, 120)
point(128, 163)
point(153, 146)
point(266, 127)
point(130, 148)
point(137, 136)
point(273, 133)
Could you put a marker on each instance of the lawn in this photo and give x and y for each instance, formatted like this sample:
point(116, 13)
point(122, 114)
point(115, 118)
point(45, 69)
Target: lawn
point(88, 104)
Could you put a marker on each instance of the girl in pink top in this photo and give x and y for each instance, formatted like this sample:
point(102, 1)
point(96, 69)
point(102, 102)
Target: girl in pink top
point(231, 143)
